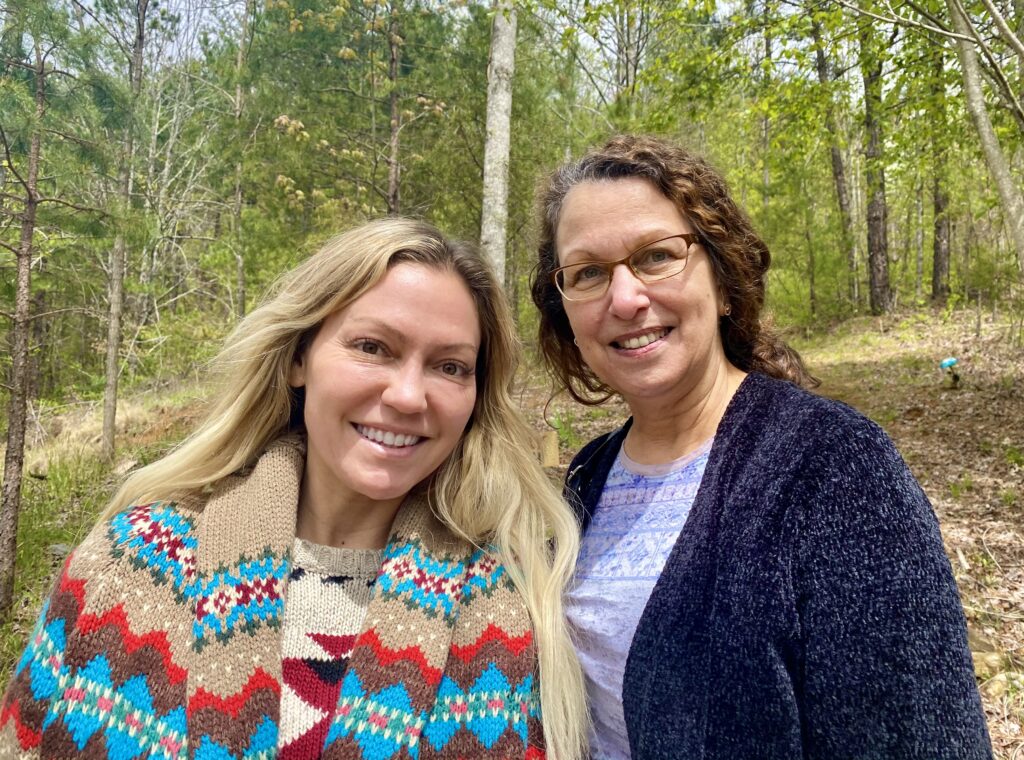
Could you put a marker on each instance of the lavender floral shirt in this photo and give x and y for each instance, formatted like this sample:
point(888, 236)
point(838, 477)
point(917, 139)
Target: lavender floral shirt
point(636, 524)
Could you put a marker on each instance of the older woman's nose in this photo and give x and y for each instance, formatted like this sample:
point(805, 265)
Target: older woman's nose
point(628, 292)
point(405, 391)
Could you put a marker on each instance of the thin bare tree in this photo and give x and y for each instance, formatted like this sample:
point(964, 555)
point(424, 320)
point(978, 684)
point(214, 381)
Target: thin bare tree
point(14, 460)
point(500, 71)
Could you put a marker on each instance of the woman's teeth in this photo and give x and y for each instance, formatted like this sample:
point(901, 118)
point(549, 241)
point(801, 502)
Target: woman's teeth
point(387, 438)
point(643, 340)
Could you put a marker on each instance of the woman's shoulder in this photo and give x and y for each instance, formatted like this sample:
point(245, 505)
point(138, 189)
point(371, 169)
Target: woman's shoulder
point(598, 448)
point(158, 538)
point(781, 410)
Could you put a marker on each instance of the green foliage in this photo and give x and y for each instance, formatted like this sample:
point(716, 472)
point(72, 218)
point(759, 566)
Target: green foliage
point(563, 423)
point(289, 101)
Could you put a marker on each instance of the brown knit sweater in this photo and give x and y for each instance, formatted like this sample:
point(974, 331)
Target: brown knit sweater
point(163, 638)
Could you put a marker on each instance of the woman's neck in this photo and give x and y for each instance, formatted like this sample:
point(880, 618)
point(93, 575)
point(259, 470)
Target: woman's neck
point(664, 431)
point(353, 524)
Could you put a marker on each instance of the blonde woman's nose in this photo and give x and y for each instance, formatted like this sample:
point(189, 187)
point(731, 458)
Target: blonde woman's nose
point(406, 391)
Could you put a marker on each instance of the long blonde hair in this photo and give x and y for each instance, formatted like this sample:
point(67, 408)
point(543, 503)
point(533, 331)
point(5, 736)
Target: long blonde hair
point(489, 490)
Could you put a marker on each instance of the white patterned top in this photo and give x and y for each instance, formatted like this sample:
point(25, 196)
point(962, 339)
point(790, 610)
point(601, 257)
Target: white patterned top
point(637, 521)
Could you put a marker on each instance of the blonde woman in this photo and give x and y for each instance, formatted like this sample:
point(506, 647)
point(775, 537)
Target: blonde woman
point(349, 558)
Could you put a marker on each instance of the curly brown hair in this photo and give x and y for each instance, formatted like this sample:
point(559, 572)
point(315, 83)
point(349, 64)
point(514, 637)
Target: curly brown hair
point(739, 259)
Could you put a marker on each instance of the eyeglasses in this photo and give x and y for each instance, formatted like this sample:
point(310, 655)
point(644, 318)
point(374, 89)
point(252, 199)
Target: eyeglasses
point(655, 261)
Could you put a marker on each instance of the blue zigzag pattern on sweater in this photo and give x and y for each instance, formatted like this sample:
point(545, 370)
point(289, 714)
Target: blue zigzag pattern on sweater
point(159, 538)
point(383, 723)
point(487, 708)
point(242, 596)
point(89, 702)
point(485, 574)
point(420, 579)
point(44, 655)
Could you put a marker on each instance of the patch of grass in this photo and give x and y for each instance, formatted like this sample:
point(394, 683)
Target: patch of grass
point(1014, 456)
point(960, 487)
point(884, 417)
point(563, 422)
point(917, 365)
point(56, 513)
point(986, 447)
point(1008, 497)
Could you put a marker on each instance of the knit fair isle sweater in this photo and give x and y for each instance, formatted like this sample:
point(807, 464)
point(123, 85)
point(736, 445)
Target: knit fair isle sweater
point(328, 593)
point(162, 639)
point(807, 609)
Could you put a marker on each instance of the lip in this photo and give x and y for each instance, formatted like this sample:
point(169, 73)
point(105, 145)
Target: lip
point(617, 343)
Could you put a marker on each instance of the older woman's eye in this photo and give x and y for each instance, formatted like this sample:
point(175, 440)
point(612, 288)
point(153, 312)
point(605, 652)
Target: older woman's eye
point(653, 259)
point(585, 277)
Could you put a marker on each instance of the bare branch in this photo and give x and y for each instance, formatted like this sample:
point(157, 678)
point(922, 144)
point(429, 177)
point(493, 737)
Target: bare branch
point(904, 21)
point(70, 137)
point(10, 161)
point(924, 13)
point(32, 67)
point(1004, 29)
point(75, 206)
point(1002, 85)
point(110, 33)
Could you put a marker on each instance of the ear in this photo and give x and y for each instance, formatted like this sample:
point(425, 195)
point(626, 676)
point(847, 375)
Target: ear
point(724, 307)
point(297, 372)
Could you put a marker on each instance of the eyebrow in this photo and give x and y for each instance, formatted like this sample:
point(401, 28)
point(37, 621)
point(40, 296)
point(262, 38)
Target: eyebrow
point(396, 334)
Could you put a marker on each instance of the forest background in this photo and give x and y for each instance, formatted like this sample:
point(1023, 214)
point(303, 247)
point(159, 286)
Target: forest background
point(162, 161)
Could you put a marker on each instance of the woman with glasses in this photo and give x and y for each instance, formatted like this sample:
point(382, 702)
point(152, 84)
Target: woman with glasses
point(760, 575)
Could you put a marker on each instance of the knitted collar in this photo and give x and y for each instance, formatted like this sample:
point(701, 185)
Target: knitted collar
point(243, 561)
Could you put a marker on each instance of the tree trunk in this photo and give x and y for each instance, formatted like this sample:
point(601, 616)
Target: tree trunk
point(17, 405)
point(1009, 194)
point(919, 241)
point(940, 198)
point(393, 167)
point(940, 242)
point(494, 214)
point(766, 126)
point(115, 284)
point(849, 240)
point(812, 293)
point(236, 211)
point(877, 216)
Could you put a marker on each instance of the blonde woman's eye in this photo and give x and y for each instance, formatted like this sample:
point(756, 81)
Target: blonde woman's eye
point(368, 346)
point(455, 369)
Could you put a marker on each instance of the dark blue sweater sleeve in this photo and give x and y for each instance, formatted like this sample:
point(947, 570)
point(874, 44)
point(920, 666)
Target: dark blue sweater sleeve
point(886, 668)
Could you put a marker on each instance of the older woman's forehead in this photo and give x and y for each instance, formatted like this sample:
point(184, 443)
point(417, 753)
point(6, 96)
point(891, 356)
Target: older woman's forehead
point(610, 218)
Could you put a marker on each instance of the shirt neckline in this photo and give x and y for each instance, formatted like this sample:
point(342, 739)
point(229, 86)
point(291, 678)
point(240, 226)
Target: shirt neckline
point(665, 468)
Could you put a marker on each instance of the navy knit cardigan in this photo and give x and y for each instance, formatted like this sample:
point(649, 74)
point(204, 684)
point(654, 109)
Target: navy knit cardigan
point(807, 609)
